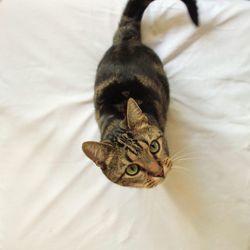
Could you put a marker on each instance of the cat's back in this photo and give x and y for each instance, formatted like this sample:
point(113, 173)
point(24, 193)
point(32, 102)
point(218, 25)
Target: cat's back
point(124, 61)
point(131, 71)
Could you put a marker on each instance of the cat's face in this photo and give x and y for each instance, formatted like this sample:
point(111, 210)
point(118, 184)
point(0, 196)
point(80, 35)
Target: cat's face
point(137, 156)
point(141, 160)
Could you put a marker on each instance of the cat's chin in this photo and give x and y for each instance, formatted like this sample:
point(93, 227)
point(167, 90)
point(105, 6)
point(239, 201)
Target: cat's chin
point(156, 181)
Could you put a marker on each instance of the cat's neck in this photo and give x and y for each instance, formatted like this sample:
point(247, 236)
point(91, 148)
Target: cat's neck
point(110, 124)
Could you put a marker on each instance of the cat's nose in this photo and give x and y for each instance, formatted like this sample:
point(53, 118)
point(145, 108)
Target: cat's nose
point(160, 174)
point(155, 169)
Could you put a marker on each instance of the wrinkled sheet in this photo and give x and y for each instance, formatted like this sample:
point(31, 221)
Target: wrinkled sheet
point(54, 198)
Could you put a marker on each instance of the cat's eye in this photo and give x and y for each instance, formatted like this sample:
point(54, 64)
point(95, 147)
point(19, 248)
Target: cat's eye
point(132, 169)
point(154, 147)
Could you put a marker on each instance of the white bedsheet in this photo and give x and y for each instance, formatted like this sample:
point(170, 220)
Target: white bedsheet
point(54, 198)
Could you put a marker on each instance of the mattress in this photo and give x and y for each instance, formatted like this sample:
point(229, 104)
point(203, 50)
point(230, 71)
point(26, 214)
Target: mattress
point(53, 197)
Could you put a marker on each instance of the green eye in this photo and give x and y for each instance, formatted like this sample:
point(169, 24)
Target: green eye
point(132, 169)
point(154, 147)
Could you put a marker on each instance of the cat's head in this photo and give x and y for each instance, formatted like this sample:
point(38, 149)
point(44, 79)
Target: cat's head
point(136, 156)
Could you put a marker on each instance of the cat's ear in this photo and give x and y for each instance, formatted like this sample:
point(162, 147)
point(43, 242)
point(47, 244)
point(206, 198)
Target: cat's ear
point(98, 152)
point(135, 117)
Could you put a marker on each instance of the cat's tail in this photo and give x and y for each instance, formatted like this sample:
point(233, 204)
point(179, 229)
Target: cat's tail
point(130, 24)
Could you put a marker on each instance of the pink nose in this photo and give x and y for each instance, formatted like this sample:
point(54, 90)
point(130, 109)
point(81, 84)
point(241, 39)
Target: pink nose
point(160, 174)
point(155, 169)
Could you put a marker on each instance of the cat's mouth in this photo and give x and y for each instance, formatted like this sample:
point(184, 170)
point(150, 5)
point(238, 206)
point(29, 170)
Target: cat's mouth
point(167, 166)
point(157, 180)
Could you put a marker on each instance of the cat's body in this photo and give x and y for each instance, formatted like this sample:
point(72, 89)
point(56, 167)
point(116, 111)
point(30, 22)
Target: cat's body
point(139, 75)
point(131, 103)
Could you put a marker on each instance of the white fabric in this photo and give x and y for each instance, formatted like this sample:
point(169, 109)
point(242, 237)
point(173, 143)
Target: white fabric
point(54, 198)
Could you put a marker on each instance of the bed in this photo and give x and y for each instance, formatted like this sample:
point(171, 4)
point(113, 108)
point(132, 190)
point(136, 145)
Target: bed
point(54, 198)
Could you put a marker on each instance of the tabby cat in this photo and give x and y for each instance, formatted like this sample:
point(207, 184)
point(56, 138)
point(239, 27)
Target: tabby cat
point(131, 103)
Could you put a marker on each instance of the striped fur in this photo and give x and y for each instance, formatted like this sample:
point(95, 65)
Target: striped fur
point(131, 103)
point(130, 23)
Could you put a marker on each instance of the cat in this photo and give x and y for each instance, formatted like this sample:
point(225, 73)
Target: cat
point(131, 103)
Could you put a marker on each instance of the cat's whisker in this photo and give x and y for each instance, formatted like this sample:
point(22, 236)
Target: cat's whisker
point(182, 169)
point(177, 159)
point(183, 152)
point(185, 156)
point(184, 159)
point(175, 154)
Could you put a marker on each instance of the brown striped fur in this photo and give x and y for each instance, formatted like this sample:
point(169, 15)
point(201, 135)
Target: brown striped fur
point(131, 103)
